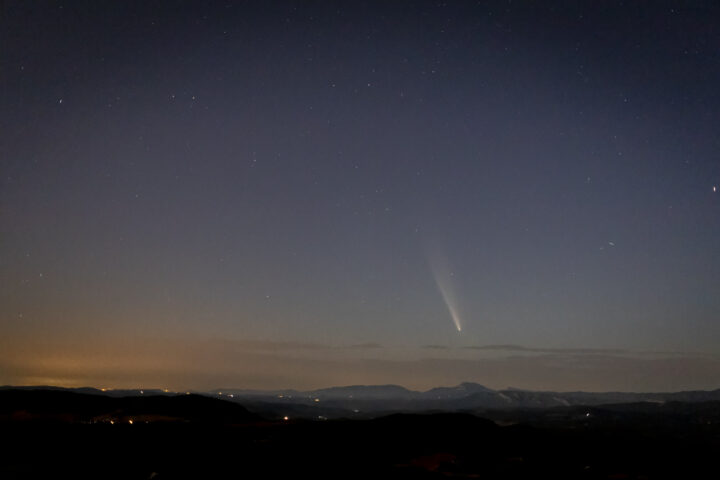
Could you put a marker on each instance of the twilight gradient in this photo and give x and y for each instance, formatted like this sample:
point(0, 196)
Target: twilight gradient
point(304, 194)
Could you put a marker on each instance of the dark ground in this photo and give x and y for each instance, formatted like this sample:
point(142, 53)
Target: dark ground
point(52, 434)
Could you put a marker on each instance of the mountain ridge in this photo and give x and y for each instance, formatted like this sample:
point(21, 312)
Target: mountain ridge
point(370, 401)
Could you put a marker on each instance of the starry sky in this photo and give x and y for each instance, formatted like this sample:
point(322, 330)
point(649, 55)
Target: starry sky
point(304, 194)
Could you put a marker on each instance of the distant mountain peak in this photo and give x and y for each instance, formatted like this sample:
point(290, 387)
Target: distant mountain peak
point(474, 387)
point(465, 389)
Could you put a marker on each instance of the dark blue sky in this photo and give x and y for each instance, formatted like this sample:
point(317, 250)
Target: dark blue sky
point(304, 194)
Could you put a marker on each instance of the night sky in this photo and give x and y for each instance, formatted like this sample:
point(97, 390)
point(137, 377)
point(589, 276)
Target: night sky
point(305, 194)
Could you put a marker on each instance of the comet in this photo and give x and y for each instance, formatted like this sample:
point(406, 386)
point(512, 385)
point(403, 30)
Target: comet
point(443, 278)
point(447, 297)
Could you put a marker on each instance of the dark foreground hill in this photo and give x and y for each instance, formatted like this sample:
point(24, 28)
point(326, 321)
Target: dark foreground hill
point(66, 434)
point(74, 407)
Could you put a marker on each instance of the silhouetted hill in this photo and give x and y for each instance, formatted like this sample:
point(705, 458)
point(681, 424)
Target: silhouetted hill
point(440, 423)
point(56, 433)
point(70, 406)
